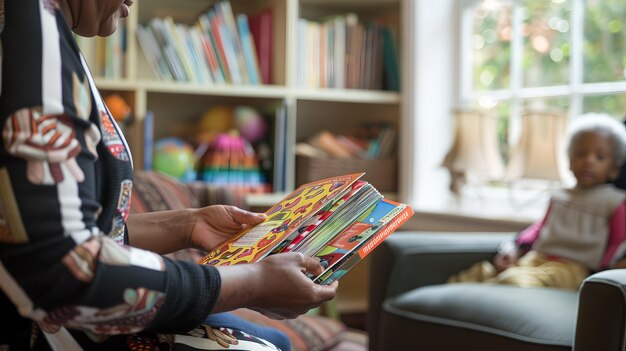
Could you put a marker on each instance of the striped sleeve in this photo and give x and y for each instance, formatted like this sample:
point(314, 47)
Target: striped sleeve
point(65, 184)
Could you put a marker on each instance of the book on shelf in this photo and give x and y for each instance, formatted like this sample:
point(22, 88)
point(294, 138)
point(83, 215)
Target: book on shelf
point(148, 43)
point(260, 25)
point(391, 76)
point(233, 37)
point(217, 48)
point(249, 50)
point(343, 52)
point(280, 149)
point(168, 49)
point(339, 220)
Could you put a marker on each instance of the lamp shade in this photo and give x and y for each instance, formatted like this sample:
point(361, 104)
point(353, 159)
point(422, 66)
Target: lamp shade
point(538, 153)
point(475, 146)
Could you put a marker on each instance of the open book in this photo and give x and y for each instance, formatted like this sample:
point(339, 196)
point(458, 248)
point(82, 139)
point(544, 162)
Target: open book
point(340, 220)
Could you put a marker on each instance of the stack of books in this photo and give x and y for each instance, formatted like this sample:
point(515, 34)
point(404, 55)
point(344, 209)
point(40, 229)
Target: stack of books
point(339, 220)
point(342, 52)
point(218, 48)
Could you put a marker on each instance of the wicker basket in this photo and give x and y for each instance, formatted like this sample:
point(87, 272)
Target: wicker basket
point(382, 174)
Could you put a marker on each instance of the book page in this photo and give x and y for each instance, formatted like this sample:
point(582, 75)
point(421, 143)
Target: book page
point(282, 219)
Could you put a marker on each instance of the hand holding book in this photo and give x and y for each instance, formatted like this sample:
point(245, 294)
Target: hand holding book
point(338, 220)
point(270, 286)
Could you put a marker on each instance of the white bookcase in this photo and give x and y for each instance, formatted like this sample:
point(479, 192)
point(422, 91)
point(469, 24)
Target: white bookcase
point(177, 107)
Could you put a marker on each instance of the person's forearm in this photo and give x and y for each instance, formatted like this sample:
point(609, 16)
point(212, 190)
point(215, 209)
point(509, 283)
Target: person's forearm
point(277, 285)
point(240, 287)
point(162, 232)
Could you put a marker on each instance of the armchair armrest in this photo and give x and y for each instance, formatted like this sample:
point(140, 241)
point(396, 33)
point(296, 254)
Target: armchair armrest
point(602, 312)
point(408, 260)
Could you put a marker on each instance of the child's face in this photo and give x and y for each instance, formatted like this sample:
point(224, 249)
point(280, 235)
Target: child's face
point(591, 159)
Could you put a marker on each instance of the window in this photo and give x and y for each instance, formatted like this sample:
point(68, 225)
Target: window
point(564, 54)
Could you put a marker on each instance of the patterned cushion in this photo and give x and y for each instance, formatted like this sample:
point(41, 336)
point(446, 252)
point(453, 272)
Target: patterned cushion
point(153, 191)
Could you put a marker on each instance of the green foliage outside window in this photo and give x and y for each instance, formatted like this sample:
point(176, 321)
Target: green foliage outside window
point(547, 47)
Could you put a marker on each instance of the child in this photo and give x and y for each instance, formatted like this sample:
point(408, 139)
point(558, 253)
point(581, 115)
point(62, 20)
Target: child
point(584, 227)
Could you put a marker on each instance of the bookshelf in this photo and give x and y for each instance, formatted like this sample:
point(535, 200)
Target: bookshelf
point(177, 106)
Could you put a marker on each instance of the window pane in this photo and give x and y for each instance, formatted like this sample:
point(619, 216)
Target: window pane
point(546, 42)
point(605, 40)
point(554, 104)
point(614, 104)
point(491, 44)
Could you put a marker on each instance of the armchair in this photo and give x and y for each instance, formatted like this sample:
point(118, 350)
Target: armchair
point(410, 304)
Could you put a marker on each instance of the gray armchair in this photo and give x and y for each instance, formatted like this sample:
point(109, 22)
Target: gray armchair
point(410, 307)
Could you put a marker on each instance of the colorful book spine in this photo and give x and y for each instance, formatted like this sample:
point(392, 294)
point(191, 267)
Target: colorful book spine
point(231, 35)
point(249, 50)
point(180, 48)
point(166, 43)
point(151, 52)
point(226, 48)
point(207, 22)
point(210, 55)
point(194, 47)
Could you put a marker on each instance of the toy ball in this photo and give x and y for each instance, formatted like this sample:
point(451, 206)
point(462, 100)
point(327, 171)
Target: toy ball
point(118, 107)
point(174, 157)
point(250, 124)
point(217, 119)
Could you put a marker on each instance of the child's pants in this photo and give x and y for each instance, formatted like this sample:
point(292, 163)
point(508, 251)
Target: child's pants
point(532, 270)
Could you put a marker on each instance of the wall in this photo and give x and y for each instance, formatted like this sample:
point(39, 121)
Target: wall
point(430, 64)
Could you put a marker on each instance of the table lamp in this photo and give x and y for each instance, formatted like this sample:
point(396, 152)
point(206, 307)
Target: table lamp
point(538, 154)
point(474, 154)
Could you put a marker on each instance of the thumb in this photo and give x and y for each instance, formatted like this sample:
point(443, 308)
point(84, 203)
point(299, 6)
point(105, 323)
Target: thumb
point(312, 265)
point(327, 292)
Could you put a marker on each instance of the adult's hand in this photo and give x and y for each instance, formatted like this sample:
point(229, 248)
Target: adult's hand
point(203, 228)
point(212, 225)
point(277, 286)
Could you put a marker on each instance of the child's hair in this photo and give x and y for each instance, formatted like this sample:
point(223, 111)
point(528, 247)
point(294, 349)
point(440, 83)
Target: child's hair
point(601, 123)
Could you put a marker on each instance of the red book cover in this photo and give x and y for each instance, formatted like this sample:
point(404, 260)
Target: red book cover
point(261, 29)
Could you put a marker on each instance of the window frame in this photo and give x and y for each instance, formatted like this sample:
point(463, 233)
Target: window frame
point(576, 90)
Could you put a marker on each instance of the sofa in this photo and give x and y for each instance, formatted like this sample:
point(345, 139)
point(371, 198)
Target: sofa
point(410, 304)
point(154, 191)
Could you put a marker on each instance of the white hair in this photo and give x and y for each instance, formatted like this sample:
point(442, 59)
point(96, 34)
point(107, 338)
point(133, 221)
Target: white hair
point(601, 123)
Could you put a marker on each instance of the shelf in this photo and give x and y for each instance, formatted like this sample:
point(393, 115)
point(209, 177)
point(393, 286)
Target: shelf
point(348, 95)
point(115, 84)
point(262, 91)
point(178, 106)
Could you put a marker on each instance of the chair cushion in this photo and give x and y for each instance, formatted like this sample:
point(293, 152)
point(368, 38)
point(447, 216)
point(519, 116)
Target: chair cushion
point(532, 315)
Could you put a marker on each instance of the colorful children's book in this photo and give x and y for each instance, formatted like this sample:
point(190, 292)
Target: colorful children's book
point(361, 238)
point(339, 219)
